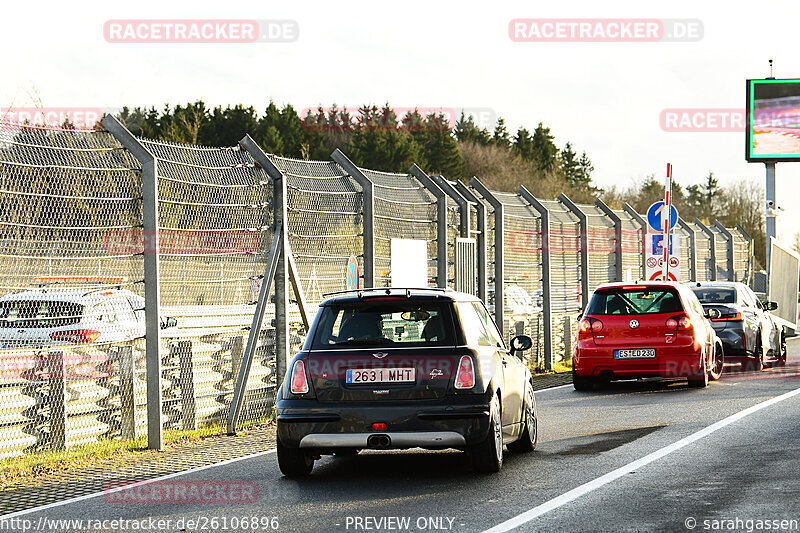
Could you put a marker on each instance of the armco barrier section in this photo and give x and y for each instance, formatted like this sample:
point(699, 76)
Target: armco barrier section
point(150, 257)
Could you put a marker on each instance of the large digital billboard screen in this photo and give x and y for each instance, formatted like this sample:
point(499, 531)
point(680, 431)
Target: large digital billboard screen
point(773, 120)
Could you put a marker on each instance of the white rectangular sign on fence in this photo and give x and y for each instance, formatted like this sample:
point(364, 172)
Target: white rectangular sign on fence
point(409, 263)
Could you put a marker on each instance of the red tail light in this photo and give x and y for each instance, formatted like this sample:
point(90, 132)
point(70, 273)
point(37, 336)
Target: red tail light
point(379, 426)
point(78, 336)
point(299, 380)
point(590, 325)
point(679, 322)
point(465, 378)
point(734, 318)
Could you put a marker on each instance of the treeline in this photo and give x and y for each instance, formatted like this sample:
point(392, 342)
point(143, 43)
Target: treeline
point(382, 139)
point(740, 203)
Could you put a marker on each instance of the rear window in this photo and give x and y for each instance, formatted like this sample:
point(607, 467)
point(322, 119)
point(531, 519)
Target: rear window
point(715, 295)
point(384, 324)
point(39, 314)
point(635, 302)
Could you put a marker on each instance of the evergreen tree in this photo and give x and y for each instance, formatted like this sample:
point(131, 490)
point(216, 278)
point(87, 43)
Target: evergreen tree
point(544, 149)
point(466, 130)
point(501, 137)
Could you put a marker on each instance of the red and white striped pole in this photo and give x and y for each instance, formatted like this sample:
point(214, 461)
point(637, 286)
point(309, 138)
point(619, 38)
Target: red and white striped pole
point(666, 219)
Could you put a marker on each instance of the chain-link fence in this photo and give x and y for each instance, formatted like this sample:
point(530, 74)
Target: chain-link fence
point(119, 312)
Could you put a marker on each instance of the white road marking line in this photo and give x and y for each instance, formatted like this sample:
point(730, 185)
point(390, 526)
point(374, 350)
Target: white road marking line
point(132, 485)
point(586, 488)
point(538, 392)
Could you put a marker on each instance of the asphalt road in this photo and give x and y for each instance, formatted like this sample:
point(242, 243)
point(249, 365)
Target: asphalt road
point(637, 456)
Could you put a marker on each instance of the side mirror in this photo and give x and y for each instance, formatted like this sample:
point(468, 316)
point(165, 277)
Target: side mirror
point(712, 313)
point(770, 306)
point(520, 343)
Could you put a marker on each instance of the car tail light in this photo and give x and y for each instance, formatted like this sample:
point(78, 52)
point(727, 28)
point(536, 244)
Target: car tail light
point(590, 325)
point(679, 322)
point(299, 380)
point(78, 336)
point(733, 318)
point(465, 377)
point(379, 426)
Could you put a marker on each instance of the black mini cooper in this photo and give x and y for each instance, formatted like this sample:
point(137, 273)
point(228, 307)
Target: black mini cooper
point(405, 368)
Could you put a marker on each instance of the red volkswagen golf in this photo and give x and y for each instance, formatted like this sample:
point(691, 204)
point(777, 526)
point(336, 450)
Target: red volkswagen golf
point(653, 329)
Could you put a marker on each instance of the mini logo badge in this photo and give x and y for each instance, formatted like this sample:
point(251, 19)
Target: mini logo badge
point(634, 324)
point(379, 355)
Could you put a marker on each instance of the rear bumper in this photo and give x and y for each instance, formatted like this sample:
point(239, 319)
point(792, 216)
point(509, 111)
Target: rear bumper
point(732, 342)
point(327, 427)
point(671, 361)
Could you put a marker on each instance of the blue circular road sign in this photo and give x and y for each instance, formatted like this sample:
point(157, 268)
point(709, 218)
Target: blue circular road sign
point(656, 213)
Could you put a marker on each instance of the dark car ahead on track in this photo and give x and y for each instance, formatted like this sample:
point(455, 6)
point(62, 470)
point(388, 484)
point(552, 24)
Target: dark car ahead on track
point(405, 368)
point(653, 329)
point(744, 324)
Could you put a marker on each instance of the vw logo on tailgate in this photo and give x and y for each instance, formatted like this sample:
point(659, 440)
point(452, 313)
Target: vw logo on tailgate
point(634, 324)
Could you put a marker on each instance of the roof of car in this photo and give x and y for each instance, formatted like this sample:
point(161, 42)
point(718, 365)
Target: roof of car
point(648, 284)
point(410, 293)
point(731, 284)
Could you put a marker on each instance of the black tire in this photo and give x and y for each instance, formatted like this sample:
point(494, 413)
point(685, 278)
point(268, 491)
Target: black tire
point(718, 364)
point(530, 430)
point(783, 349)
point(757, 362)
point(294, 462)
point(488, 455)
point(700, 380)
point(582, 383)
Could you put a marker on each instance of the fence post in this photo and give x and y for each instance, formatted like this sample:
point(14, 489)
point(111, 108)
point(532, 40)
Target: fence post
point(583, 221)
point(152, 296)
point(617, 236)
point(693, 248)
point(57, 400)
point(643, 223)
point(368, 213)
point(127, 391)
point(713, 239)
point(272, 273)
point(441, 223)
point(480, 216)
point(547, 309)
point(499, 297)
point(749, 253)
point(458, 198)
point(731, 249)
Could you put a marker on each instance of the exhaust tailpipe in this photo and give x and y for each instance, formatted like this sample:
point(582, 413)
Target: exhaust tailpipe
point(379, 442)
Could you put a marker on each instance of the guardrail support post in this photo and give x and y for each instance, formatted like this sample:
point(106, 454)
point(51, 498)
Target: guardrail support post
point(617, 236)
point(152, 296)
point(480, 219)
point(583, 222)
point(186, 384)
point(368, 214)
point(547, 298)
point(499, 296)
point(731, 248)
point(57, 399)
point(692, 248)
point(747, 236)
point(441, 223)
point(713, 240)
point(127, 392)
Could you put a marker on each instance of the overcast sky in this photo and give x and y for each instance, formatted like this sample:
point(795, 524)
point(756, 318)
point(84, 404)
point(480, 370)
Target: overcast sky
point(605, 98)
